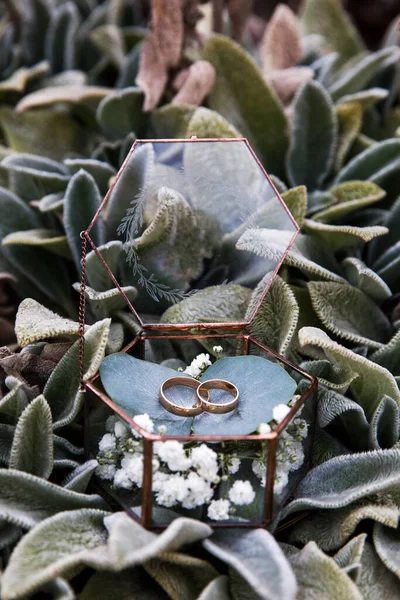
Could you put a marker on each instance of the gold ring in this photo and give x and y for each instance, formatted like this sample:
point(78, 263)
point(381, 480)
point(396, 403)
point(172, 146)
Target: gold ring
point(177, 409)
point(218, 384)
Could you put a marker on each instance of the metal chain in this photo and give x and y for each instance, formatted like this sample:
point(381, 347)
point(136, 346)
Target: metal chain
point(82, 312)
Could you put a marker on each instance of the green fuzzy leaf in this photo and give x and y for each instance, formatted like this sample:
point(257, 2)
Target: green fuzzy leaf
point(206, 123)
point(172, 121)
point(59, 43)
point(15, 215)
point(328, 19)
point(385, 424)
point(366, 279)
point(6, 440)
point(52, 548)
point(348, 558)
point(320, 578)
point(79, 478)
point(359, 76)
point(32, 449)
point(44, 132)
point(329, 375)
point(215, 304)
point(218, 589)
point(275, 322)
point(349, 117)
point(132, 583)
point(378, 249)
point(50, 203)
point(313, 141)
point(387, 546)
point(366, 98)
point(256, 558)
point(82, 199)
point(343, 480)
point(296, 201)
point(370, 162)
point(35, 322)
point(108, 39)
point(373, 380)
point(59, 589)
point(97, 275)
point(20, 79)
point(64, 94)
point(105, 304)
point(306, 254)
point(338, 237)
point(13, 403)
point(389, 355)
point(101, 172)
point(349, 197)
point(124, 194)
point(48, 239)
point(48, 175)
point(26, 500)
point(376, 581)
point(243, 98)
point(62, 388)
point(121, 113)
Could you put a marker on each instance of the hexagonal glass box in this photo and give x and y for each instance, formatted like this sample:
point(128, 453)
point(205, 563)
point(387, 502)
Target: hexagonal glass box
point(195, 227)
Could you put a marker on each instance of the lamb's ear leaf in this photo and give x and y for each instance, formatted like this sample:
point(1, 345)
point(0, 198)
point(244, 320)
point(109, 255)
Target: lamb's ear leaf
point(68, 94)
point(105, 304)
point(387, 545)
point(243, 98)
point(366, 279)
point(32, 449)
point(373, 381)
point(315, 571)
point(314, 136)
point(376, 582)
point(389, 355)
point(172, 121)
point(346, 479)
point(349, 197)
point(217, 589)
point(31, 499)
point(79, 478)
point(348, 558)
point(257, 559)
point(385, 424)
point(101, 171)
point(48, 239)
point(51, 549)
point(366, 98)
point(330, 529)
point(82, 199)
point(275, 321)
point(349, 118)
point(339, 237)
point(121, 112)
point(366, 165)
point(349, 313)
point(330, 20)
point(35, 322)
point(206, 123)
point(132, 583)
point(62, 388)
point(97, 275)
point(296, 201)
point(59, 589)
point(329, 375)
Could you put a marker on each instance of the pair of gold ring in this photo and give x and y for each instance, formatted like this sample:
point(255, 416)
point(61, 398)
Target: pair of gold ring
point(203, 403)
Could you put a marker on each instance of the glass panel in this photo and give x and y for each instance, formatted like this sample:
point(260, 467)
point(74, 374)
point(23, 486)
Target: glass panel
point(184, 216)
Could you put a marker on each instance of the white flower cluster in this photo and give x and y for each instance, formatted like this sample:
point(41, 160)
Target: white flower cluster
point(181, 477)
point(198, 365)
point(290, 453)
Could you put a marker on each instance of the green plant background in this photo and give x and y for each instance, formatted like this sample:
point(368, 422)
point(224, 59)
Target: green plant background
point(322, 114)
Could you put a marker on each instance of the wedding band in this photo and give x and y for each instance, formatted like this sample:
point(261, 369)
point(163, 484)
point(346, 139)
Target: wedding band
point(218, 384)
point(177, 409)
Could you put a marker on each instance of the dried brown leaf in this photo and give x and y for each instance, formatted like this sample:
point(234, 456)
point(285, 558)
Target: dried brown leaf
point(161, 51)
point(286, 81)
point(197, 85)
point(281, 45)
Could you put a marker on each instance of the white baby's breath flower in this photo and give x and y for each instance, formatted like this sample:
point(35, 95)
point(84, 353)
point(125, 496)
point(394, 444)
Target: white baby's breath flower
point(205, 462)
point(106, 472)
point(122, 480)
point(144, 422)
point(264, 428)
point(198, 364)
point(159, 479)
point(218, 510)
point(120, 430)
point(173, 453)
point(281, 479)
point(172, 491)
point(162, 429)
point(295, 456)
point(110, 423)
point(234, 465)
point(133, 467)
point(259, 468)
point(241, 493)
point(280, 411)
point(217, 349)
point(107, 443)
point(193, 370)
point(199, 491)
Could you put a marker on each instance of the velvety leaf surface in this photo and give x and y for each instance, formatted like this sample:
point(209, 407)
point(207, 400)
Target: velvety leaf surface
point(121, 113)
point(338, 237)
point(313, 141)
point(387, 546)
point(296, 201)
point(79, 478)
point(70, 94)
point(218, 589)
point(367, 164)
point(35, 322)
point(349, 557)
point(133, 583)
point(376, 581)
point(348, 197)
point(242, 97)
point(349, 117)
point(48, 239)
point(366, 279)
point(32, 449)
point(206, 123)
